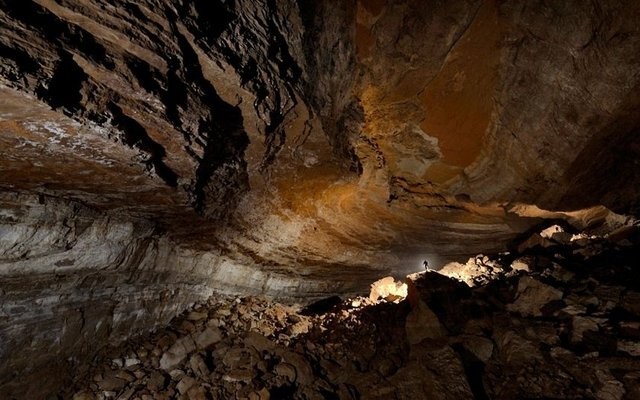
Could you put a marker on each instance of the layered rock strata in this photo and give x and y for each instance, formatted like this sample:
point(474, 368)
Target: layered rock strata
point(291, 147)
point(555, 319)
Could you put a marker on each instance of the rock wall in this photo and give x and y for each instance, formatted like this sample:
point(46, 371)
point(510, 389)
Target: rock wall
point(154, 151)
point(371, 132)
point(75, 279)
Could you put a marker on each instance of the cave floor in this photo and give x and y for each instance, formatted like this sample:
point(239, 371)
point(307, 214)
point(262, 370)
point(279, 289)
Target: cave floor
point(559, 318)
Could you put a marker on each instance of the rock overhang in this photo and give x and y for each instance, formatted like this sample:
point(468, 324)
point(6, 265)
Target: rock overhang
point(414, 129)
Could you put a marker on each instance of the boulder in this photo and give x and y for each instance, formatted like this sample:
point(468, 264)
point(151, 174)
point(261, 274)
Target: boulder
point(532, 295)
point(423, 324)
point(388, 289)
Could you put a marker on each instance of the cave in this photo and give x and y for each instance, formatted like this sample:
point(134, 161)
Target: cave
point(315, 199)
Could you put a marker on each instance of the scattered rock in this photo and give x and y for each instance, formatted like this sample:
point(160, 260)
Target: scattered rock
point(504, 326)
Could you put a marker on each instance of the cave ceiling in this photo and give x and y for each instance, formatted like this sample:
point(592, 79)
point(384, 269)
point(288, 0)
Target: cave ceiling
point(313, 137)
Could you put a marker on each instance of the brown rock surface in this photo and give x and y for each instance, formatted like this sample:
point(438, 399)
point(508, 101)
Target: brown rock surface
point(154, 152)
point(384, 349)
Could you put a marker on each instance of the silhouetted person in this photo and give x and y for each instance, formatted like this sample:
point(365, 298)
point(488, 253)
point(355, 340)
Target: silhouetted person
point(425, 263)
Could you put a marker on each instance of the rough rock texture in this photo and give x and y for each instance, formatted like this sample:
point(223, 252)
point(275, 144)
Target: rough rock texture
point(294, 148)
point(448, 115)
point(75, 278)
point(445, 341)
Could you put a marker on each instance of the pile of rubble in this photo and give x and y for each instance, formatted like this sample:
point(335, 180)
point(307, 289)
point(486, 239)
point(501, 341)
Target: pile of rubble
point(557, 317)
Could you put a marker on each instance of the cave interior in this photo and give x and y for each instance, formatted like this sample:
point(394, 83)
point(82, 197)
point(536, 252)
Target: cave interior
point(298, 199)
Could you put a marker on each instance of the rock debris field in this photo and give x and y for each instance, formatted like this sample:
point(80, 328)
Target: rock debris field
point(556, 317)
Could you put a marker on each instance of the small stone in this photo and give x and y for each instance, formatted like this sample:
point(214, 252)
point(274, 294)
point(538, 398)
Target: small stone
point(286, 370)
point(139, 373)
point(611, 388)
point(208, 338)
point(304, 373)
point(385, 367)
point(177, 353)
point(127, 376)
point(629, 347)
point(580, 325)
point(259, 342)
point(223, 312)
point(520, 265)
point(118, 362)
point(562, 274)
point(130, 362)
point(631, 303)
point(196, 316)
point(262, 394)
point(299, 328)
point(156, 381)
point(112, 383)
point(185, 384)
point(176, 374)
point(215, 322)
point(196, 393)
point(630, 329)
point(186, 327)
point(126, 395)
point(83, 396)
point(142, 352)
point(198, 366)
point(239, 375)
